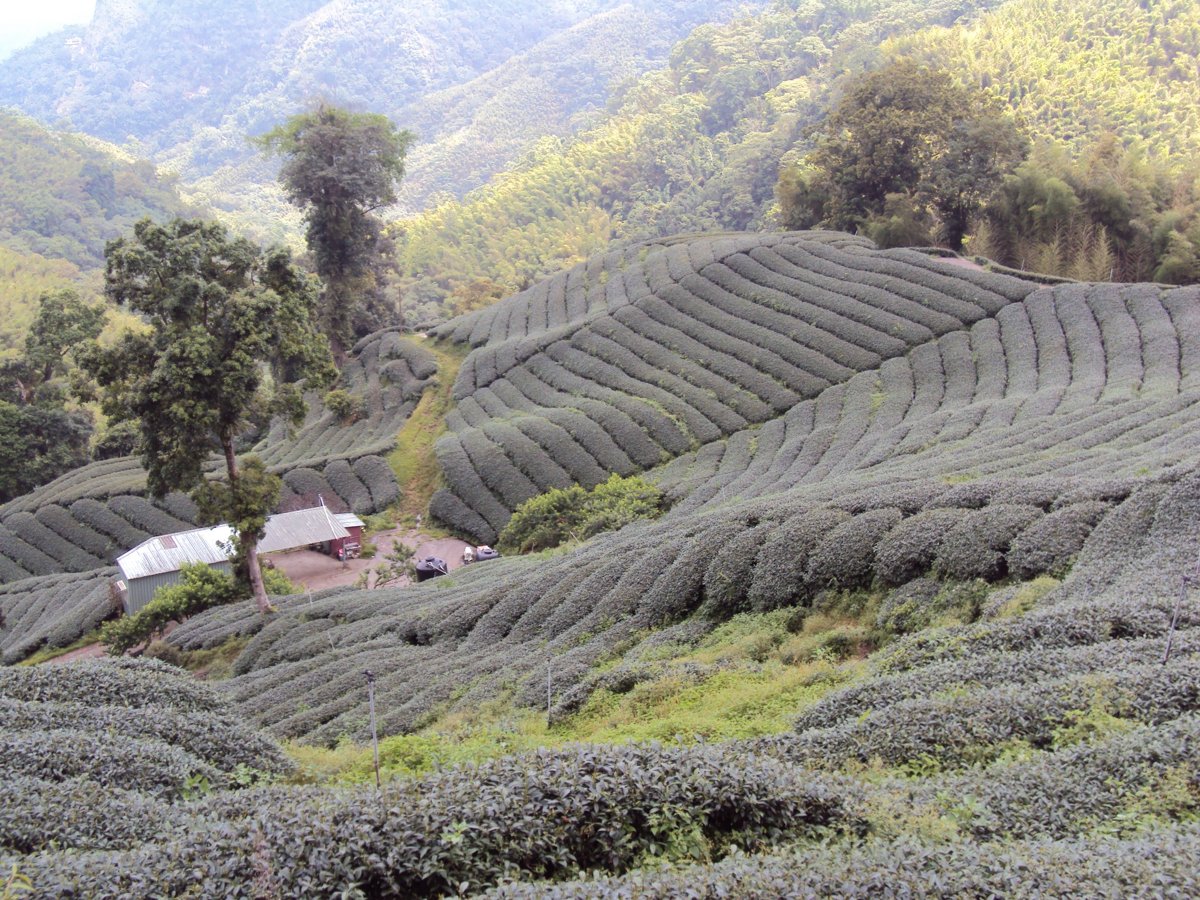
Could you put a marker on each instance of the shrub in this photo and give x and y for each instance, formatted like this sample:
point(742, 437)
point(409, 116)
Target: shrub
point(201, 587)
point(727, 577)
point(145, 515)
point(845, 558)
point(572, 513)
point(79, 813)
point(619, 501)
point(780, 577)
point(348, 486)
point(121, 439)
point(276, 583)
point(111, 682)
point(1095, 866)
point(964, 728)
point(161, 650)
point(148, 766)
point(219, 740)
point(1051, 545)
point(53, 611)
point(976, 546)
point(380, 480)
point(924, 602)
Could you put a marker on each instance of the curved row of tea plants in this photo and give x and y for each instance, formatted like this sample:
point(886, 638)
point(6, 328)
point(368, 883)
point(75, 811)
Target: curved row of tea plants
point(52, 611)
point(100, 755)
point(1078, 379)
point(637, 357)
point(545, 815)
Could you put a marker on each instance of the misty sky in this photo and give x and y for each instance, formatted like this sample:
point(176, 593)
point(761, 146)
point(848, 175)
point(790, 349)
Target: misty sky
point(22, 22)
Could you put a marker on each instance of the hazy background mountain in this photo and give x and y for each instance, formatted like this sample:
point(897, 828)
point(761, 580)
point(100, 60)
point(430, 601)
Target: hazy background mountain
point(185, 83)
point(62, 196)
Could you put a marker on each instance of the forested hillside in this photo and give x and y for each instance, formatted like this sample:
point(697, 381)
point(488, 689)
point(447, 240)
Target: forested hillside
point(704, 144)
point(24, 277)
point(480, 82)
point(62, 195)
point(1074, 71)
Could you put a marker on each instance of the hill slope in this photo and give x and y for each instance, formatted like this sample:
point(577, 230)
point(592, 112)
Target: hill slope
point(989, 450)
point(642, 355)
point(1004, 508)
point(64, 195)
point(479, 82)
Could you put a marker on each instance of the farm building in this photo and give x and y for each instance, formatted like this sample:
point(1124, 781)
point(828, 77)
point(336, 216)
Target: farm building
point(352, 543)
point(156, 563)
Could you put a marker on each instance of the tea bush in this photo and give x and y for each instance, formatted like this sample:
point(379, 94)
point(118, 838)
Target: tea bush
point(568, 514)
point(550, 814)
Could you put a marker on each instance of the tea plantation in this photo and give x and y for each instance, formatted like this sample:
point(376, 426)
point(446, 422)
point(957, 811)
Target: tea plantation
point(87, 518)
point(965, 502)
point(639, 357)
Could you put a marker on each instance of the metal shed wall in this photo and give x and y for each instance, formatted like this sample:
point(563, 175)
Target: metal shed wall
point(140, 591)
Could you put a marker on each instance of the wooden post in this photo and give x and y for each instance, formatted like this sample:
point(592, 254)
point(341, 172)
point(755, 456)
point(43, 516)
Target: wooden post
point(1183, 590)
point(374, 733)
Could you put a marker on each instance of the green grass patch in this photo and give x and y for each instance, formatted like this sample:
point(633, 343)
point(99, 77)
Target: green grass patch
point(737, 702)
point(1027, 597)
point(733, 684)
point(413, 460)
point(214, 663)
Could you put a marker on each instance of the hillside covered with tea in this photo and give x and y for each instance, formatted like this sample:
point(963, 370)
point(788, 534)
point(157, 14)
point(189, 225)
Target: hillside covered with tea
point(957, 562)
point(825, 376)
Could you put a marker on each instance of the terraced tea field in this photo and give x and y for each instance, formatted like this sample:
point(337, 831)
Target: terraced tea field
point(965, 502)
point(994, 441)
point(637, 358)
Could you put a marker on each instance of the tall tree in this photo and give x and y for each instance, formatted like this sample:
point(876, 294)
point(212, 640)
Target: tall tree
point(63, 323)
point(223, 315)
point(40, 437)
point(340, 167)
point(903, 135)
point(38, 444)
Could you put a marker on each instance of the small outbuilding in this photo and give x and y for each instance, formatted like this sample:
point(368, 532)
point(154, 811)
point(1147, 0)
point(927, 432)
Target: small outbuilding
point(352, 543)
point(156, 563)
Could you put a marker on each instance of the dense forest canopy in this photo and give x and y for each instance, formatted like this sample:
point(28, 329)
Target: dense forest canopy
point(64, 195)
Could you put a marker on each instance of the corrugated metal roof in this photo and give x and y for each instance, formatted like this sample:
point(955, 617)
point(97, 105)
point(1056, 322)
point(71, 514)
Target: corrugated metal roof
point(349, 520)
point(157, 555)
point(286, 531)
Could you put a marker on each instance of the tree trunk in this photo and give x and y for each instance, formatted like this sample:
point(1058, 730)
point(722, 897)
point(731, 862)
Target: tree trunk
point(249, 544)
